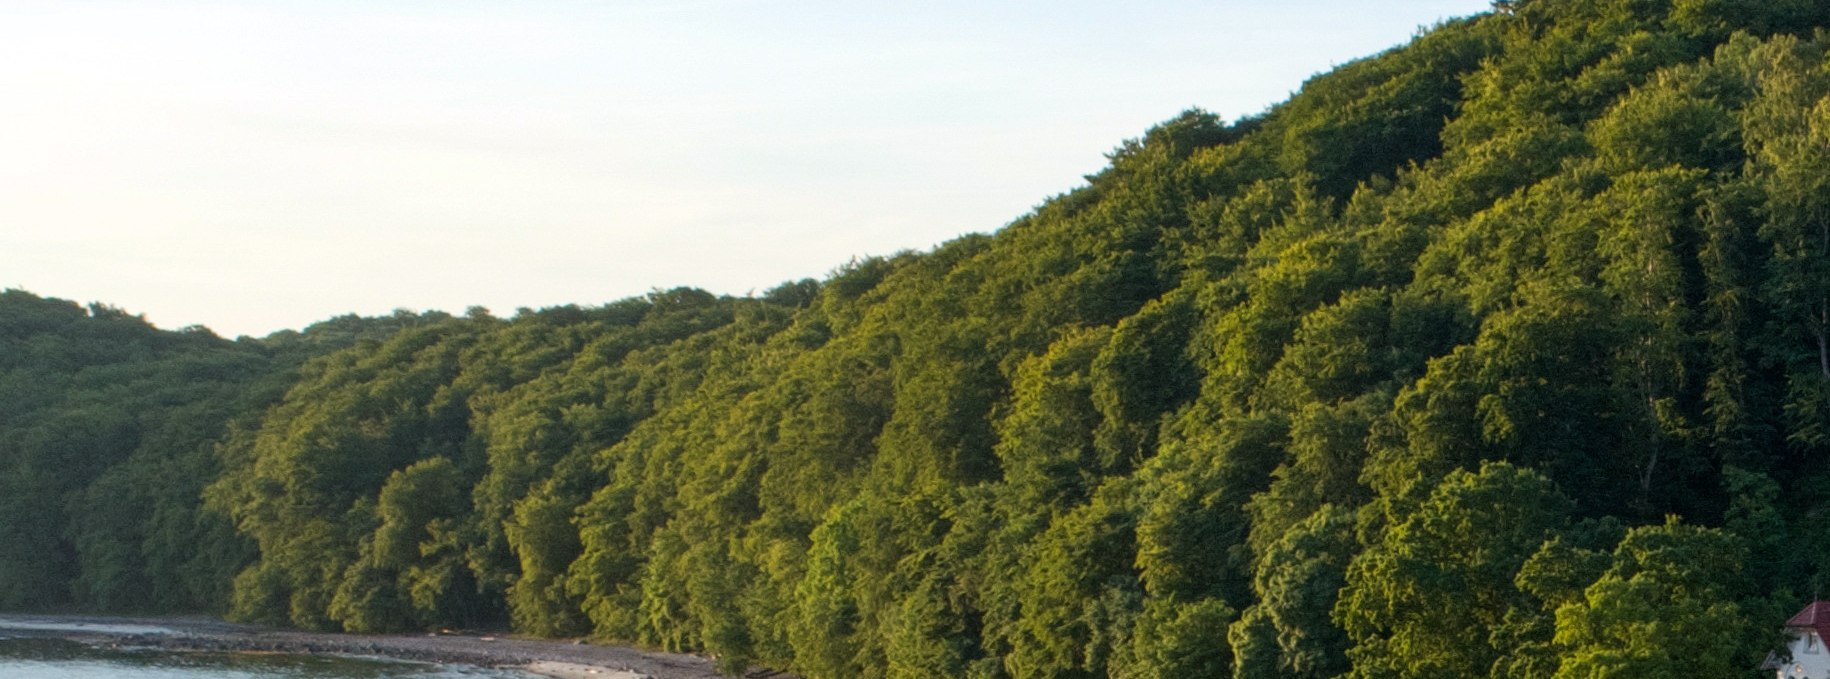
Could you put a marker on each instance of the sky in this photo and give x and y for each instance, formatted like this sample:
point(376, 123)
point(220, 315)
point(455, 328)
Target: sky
point(258, 166)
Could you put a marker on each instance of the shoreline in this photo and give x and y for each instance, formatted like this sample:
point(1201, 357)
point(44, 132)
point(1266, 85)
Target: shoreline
point(547, 657)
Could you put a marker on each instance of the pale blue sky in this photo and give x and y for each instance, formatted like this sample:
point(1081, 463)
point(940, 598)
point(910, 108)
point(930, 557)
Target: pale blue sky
point(255, 166)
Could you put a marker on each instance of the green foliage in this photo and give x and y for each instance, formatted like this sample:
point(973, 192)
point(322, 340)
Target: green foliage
point(1297, 582)
point(1399, 378)
point(106, 430)
point(1422, 600)
point(1180, 640)
point(1666, 605)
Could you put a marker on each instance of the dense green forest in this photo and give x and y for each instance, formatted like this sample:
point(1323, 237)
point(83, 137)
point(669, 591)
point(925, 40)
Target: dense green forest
point(1504, 353)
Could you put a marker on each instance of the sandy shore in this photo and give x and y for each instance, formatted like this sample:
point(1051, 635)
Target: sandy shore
point(566, 670)
point(559, 659)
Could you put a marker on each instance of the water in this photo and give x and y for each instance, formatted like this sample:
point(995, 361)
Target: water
point(86, 627)
point(58, 659)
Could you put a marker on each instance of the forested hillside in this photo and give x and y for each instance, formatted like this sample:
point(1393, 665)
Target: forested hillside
point(1503, 353)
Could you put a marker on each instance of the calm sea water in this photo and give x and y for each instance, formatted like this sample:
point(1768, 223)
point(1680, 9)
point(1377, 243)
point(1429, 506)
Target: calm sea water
point(57, 659)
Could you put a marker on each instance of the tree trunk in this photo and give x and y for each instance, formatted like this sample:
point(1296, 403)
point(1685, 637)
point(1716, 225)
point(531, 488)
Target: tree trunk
point(1823, 354)
point(1821, 331)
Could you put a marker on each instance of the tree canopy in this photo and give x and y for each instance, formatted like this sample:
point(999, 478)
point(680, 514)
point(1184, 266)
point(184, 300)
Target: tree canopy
point(1490, 355)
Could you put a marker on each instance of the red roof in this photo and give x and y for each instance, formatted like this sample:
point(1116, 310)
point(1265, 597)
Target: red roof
point(1814, 617)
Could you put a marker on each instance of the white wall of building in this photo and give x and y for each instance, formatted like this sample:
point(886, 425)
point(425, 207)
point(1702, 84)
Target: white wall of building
point(1810, 660)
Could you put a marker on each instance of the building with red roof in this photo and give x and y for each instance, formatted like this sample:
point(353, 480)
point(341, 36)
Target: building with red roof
point(1808, 657)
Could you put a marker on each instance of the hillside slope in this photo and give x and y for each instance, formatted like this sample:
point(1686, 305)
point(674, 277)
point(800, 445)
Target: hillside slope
point(1503, 353)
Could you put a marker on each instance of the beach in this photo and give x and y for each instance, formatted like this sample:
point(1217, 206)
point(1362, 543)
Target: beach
point(561, 659)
